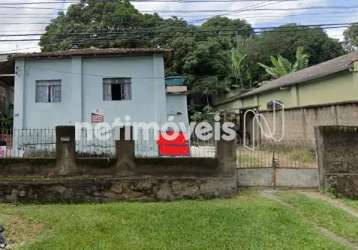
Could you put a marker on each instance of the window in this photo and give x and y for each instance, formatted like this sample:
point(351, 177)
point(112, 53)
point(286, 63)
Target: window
point(48, 91)
point(117, 89)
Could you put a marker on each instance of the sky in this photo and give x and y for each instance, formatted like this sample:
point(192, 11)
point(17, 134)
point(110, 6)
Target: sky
point(19, 18)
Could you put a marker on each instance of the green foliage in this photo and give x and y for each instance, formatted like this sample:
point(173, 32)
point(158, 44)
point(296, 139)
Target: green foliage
point(211, 55)
point(284, 41)
point(206, 114)
point(239, 71)
point(282, 66)
point(351, 37)
point(302, 59)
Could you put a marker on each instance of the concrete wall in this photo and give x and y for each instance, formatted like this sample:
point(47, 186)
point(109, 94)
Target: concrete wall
point(337, 148)
point(299, 123)
point(280, 177)
point(177, 108)
point(82, 90)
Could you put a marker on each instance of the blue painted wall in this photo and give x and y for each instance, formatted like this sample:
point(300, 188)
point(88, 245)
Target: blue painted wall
point(82, 90)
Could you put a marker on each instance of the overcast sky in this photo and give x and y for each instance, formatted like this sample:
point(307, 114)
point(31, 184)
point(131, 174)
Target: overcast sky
point(20, 19)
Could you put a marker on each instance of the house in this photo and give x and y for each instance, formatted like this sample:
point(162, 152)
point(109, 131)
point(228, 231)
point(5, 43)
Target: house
point(324, 94)
point(62, 88)
point(95, 85)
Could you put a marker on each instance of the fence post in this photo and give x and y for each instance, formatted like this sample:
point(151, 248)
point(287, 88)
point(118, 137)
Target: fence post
point(226, 155)
point(65, 150)
point(274, 169)
point(320, 155)
point(125, 150)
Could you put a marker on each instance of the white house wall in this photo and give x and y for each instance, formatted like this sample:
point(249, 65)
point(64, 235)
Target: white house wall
point(177, 108)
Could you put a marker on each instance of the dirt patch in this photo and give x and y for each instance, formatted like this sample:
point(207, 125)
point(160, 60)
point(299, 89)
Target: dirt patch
point(20, 231)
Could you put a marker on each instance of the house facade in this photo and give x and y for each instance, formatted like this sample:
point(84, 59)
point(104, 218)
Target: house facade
point(93, 86)
point(324, 94)
point(63, 88)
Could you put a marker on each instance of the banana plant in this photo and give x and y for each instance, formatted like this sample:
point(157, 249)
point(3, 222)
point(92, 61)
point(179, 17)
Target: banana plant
point(282, 66)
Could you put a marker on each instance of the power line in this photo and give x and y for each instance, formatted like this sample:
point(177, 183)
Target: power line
point(207, 10)
point(184, 29)
point(256, 9)
point(145, 1)
point(326, 13)
point(206, 33)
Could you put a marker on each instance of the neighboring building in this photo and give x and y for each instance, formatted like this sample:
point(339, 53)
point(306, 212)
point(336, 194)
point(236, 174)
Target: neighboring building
point(324, 94)
point(6, 87)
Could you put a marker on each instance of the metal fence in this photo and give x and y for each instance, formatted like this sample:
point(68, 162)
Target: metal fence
point(279, 155)
point(95, 143)
point(27, 143)
point(148, 146)
point(202, 148)
point(92, 143)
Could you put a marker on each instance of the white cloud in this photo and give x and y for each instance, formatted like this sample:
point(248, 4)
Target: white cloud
point(244, 10)
point(20, 20)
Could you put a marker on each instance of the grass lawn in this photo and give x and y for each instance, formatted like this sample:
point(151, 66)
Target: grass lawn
point(351, 203)
point(249, 221)
point(324, 214)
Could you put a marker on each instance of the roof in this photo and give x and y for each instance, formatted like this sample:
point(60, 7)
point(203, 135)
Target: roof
point(93, 53)
point(324, 69)
point(3, 57)
point(175, 80)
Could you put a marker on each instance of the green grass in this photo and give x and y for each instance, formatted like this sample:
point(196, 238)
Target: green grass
point(287, 157)
point(351, 203)
point(251, 161)
point(248, 221)
point(302, 155)
point(324, 214)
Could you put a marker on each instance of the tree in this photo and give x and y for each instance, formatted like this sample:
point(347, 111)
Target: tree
point(351, 37)
point(210, 55)
point(102, 24)
point(237, 67)
point(284, 41)
point(239, 70)
point(282, 66)
point(228, 30)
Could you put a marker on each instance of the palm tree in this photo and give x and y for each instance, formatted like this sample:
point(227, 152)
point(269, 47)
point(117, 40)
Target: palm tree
point(237, 67)
point(282, 66)
point(238, 70)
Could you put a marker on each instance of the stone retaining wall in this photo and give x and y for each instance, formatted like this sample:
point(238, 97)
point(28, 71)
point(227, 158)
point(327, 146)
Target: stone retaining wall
point(69, 179)
point(337, 148)
point(106, 189)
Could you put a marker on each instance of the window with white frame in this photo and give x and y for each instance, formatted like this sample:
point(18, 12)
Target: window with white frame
point(48, 91)
point(117, 89)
